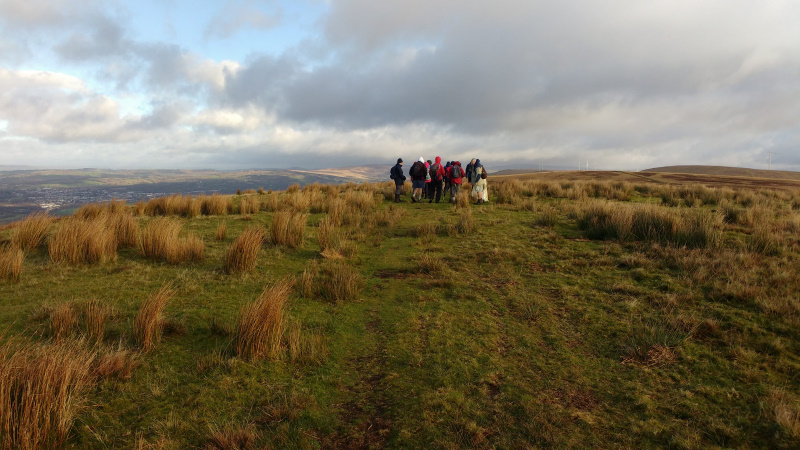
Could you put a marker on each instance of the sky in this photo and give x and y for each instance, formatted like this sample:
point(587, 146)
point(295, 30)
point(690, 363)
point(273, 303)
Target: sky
point(242, 84)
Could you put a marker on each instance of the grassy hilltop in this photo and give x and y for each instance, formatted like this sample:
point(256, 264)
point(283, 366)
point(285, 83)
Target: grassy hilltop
point(563, 313)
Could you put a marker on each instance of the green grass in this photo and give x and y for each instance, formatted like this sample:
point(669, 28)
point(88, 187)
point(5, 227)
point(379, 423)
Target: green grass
point(521, 332)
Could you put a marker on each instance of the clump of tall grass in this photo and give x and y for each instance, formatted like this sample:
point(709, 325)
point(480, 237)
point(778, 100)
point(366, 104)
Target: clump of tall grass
point(316, 201)
point(11, 259)
point(296, 202)
point(249, 205)
point(766, 241)
point(243, 252)
point(42, 388)
point(462, 199)
point(215, 204)
point(466, 222)
point(125, 228)
point(337, 281)
point(304, 346)
point(30, 233)
point(83, 241)
point(97, 314)
point(63, 321)
point(307, 280)
point(547, 216)
point(288, 229)
point(361, 201)
point(648, 223)
point(651, 342)
point(147, 325)
point(89, 211)
point(336, 208)
point(222, 231)
point(261, 323)
point(327, 235)
point(160, 240)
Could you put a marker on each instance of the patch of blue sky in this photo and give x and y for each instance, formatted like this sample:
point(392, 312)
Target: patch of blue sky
point(185, 23)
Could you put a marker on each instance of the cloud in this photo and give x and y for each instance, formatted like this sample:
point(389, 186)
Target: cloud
point(238, 15)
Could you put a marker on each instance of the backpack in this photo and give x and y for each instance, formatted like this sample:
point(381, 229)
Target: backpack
point(434, 170)
point(391, 173)
point(456, 173)
point(415, 169)
point(476, 175)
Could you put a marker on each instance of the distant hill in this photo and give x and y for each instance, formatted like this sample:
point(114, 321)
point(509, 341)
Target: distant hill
point(728, 171)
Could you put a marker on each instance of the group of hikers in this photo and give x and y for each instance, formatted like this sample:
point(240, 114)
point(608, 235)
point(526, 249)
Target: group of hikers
point(430, 179)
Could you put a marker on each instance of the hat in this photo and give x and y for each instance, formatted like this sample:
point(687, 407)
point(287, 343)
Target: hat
point(399, 160)
point(421, 159)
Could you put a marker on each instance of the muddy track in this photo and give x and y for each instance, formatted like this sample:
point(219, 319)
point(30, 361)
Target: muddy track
point(366, 417)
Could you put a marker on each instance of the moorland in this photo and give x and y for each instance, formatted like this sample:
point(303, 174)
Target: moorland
point(572, 310)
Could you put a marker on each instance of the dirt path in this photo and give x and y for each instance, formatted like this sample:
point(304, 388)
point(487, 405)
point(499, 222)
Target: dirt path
point(366, 417)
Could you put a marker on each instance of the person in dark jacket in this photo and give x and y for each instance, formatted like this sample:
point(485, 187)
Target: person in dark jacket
point(469, 170)
point(455, 173)
point(447, 177)
point(418, 174)
point(437, 174)
point(396, 174)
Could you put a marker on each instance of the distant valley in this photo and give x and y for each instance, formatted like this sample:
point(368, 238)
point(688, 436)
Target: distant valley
point(60, 191)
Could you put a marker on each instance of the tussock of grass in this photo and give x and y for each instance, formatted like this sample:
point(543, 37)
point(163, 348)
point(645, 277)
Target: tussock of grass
point(160, 240)
point(42, 388)
point(215, 205)
point(83, 241)
point(63, 321)
point(11, 259)
point(97, 314)
point(249, 205)
point(222, 231)
point(288, 229)
point(231, 438)
point(338, 281)
point(147, 326)
point(30, 233)
point(242, 255)
point(261, 323)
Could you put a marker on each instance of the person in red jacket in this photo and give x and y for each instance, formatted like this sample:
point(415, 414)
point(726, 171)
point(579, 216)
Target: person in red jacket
point(437, 175)
point(455, 173)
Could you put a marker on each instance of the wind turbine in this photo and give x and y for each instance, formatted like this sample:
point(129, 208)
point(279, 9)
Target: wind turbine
point(770, 159)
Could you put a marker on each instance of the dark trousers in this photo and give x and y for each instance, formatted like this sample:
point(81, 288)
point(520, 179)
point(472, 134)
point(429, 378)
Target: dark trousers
point(436, 187)
point(398, 188)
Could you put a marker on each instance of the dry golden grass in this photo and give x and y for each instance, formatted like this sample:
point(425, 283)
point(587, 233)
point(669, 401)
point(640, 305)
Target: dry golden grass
point(304, 345)
point(63, 321)
point(42, 388)
point(307, 285)
point(786, 409)
point(160, 240)
point(296, 202)
point(316, 201)
point(222, 231)
point(215, 205)
point(243, 252)
point(83, 241)
point(249, 205)
point(117, 363)
point(462, 199)
point(327, 235)
point(261, 323)
point(466, 222)
point(125, 228)
point(148, 322)
point(288, 229)
point(30, 233)
point(97, 314)
point(11, 259)
point(89, 211)
point(270, 202)
point(231, 438)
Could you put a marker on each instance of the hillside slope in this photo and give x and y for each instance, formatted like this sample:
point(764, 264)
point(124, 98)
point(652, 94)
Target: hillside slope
point(561, 314)
point(728, 171)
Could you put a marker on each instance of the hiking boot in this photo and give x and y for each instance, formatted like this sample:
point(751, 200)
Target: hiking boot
point(413, 200)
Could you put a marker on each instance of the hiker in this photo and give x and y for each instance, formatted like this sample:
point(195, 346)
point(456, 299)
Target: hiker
point(418, 173)
point(455, 173)
point(447, 177)
point(437, 174)
point(478, 181)
point(426, 190)
point(399, 179)
point(469, 170)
